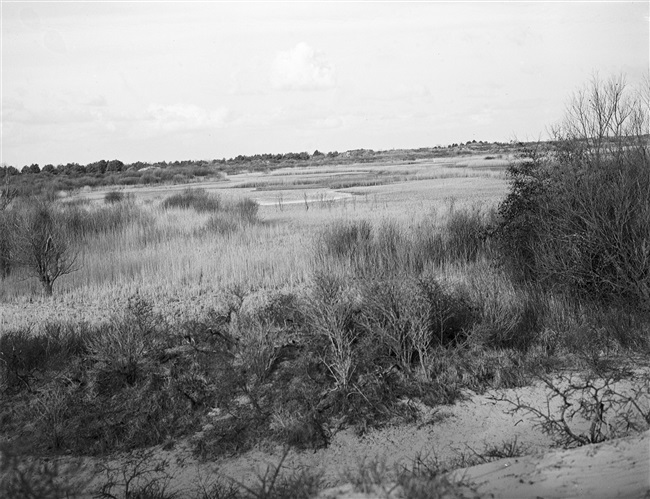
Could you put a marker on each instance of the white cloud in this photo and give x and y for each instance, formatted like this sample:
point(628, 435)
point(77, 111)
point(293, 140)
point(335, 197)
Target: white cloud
point(330, 122)
point(302, 68)
point(183, 117)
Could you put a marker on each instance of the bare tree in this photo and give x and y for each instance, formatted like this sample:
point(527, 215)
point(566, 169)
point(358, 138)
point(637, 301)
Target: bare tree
point(605, 121)
point(42, 248)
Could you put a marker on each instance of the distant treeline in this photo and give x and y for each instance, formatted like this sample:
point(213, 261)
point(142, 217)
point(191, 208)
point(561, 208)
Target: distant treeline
point(34, 178)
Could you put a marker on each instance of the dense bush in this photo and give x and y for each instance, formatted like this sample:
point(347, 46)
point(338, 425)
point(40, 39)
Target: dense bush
point(577, 217)
point(411, 317)
point(24, 356)
point(593, 232)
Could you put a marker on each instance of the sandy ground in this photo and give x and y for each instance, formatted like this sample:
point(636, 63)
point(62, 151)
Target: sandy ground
point(618, 468)
point(615, 469)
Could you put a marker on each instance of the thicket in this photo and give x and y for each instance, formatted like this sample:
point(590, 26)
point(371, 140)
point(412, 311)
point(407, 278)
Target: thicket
point(577, 218)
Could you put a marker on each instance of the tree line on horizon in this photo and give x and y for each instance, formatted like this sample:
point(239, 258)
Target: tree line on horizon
point(104, 166)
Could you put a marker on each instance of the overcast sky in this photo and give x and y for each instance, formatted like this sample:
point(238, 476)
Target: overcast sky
point(178, 80)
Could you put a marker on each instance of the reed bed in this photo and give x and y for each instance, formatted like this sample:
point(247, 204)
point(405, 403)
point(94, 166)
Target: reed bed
point(180, 255)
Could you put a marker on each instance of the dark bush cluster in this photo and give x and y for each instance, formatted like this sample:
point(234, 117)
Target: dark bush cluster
point(112, 197)
point(577, 217)
point(387, 249)
point(226, 216)
point(196, 199)
point(83, 222)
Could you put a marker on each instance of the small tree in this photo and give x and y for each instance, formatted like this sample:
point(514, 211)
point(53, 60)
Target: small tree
point(7, 195)
point(42, 248)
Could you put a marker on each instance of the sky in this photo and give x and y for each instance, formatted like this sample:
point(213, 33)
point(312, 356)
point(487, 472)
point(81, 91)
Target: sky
point(153, 81)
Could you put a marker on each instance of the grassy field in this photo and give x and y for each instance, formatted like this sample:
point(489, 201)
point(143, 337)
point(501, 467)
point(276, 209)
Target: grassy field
point(167, 255)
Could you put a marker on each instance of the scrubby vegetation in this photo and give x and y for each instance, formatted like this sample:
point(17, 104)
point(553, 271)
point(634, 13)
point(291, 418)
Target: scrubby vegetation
point(577, 217)
point(390, 316)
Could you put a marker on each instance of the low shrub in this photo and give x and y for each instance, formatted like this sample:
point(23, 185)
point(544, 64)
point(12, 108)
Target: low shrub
point(149, 178)
point(245, 210)
point(509, 315)
point(196, 199)
point(221, 223)
point(112, 197)
point(142, 475)
point(389, 250)
point(232, 217)
point(410, 317)
point(82, 223)
point(343, 240)
point(25, 356)
point(131, 180)
point(466, 234)
point(589, 408)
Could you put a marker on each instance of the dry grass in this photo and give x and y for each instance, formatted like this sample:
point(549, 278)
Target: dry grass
point(167, 255)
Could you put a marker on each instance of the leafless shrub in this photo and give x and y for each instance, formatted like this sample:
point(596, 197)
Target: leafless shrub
point(272, 484)
point(140, 475)
point(581, 410)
